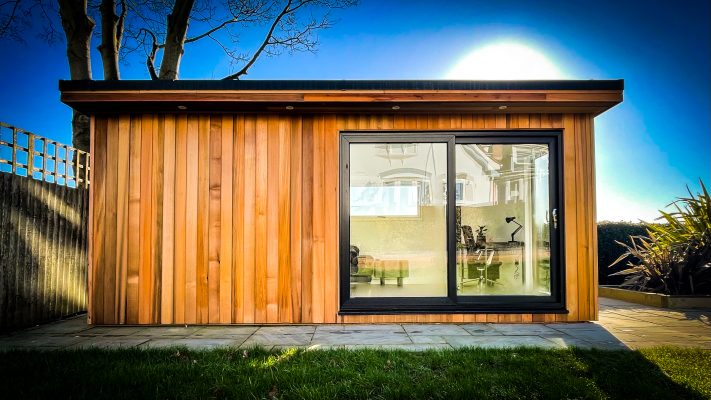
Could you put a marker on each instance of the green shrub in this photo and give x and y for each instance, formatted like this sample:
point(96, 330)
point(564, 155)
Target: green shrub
point(674, 257)
point(608, 234)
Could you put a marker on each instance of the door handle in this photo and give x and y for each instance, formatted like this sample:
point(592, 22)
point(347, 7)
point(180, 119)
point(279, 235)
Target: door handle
point(554, 214)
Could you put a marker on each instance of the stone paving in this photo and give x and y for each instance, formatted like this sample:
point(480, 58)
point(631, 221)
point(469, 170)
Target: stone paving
point(622, 326)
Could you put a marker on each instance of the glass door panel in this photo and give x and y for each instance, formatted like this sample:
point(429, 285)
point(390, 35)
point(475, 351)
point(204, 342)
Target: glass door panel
point(503, 219)
point(398, 220)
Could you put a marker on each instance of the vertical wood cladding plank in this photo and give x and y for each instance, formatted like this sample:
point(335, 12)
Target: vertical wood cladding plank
point(307, 195)
point(99, 213)
point(317, 256)
point(203, 211)
point(214, 218)
point(157, 217)
point(295, 193)
point(590, 217)
point(535, 121)
point(272, 218)
point(478, 121)
point(582, 248)
point(180, 247)
point(524, 121)
point(455, 121)
point(261, 228)
point(284, 220)
point(226, 210)
point(588, 305)
point(249, 214)
point(124, 133)
point(331, 171)
point(593, 219)
point(90, 238)
point(191, 220)
point(145, 278)
point(571, 209)
point(111, 176)
point(238, 210)
point(489, 121)
point(134, 220)
point(168, 239)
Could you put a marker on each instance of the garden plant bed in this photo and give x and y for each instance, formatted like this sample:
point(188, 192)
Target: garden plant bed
point(659, 373)
point(656, 299)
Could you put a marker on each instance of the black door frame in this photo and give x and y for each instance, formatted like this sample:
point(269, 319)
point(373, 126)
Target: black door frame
point(555, 303)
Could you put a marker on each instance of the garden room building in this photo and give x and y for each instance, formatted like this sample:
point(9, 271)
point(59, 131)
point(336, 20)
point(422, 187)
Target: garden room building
point(256, 202)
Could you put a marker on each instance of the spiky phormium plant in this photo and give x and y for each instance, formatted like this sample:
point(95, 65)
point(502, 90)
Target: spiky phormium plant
point(675, 256)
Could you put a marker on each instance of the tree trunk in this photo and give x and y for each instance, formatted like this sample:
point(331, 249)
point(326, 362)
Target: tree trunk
point(78, 28)
point(175, 39)
point(109, 35)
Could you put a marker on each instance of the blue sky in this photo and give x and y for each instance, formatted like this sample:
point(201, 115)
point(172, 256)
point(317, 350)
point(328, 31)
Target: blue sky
point(647, 149)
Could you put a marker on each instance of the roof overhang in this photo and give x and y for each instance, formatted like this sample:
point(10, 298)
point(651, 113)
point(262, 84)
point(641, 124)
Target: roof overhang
point(416, 96)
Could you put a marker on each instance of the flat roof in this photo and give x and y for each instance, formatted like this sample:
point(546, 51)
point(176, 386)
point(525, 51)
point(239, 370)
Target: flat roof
point(344, 96)
point(616, 84)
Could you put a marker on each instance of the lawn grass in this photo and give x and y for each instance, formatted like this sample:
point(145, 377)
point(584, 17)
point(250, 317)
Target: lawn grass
point(662, 373)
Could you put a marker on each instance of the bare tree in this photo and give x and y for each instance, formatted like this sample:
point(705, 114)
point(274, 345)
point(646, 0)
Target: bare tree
point(161, 30)
point(112, 26)
point(78, 27)
point(175, 39)
point(287, 26)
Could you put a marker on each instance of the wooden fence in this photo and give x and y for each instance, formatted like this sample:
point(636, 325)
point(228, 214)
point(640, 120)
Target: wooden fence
point(44, 206)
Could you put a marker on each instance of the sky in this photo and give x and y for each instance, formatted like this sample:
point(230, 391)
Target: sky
point(648, 149)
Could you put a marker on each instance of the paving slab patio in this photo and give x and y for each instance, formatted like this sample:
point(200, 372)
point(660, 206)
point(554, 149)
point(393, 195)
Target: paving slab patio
point(621, 325)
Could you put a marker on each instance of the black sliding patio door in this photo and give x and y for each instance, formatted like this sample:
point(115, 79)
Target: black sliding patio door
point(450, 222)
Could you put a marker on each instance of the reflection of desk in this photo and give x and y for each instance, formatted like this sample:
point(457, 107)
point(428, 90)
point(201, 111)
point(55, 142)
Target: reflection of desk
point(512, 253)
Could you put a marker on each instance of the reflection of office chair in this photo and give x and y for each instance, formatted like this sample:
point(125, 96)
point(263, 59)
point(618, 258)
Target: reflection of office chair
point(482, 267)
point(361, 266)
point(469, 241)
point(493, 269)
point(488, 267)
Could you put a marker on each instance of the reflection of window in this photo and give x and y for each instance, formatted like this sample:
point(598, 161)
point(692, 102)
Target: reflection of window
point(389, 200)
point(460, 190)
point(397, 151)
point(423, 188)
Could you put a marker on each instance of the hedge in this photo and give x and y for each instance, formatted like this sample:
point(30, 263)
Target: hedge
point(608, 250)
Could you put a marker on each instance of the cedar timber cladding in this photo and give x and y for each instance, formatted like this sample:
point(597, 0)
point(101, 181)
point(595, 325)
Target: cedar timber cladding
point(231, 216)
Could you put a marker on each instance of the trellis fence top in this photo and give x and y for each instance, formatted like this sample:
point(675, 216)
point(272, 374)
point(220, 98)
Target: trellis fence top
point(26, 154)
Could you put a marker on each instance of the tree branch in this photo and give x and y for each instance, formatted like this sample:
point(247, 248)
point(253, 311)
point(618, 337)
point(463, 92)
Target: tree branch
point(151, 58)
point(264, 44)
point(121, 23)
point(211, 31)
point(10, 18)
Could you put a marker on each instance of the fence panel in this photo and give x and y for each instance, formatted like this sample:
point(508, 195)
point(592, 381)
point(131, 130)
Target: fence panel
point(44, 208)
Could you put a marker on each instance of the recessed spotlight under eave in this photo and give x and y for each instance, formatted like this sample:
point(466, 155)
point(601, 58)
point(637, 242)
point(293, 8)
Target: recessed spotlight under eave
point(182, 107)
point(395, 108)
point(289, 108)
point(503, 107)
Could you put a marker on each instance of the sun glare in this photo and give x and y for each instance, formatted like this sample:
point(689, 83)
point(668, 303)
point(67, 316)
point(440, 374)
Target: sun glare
point(505, 60)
